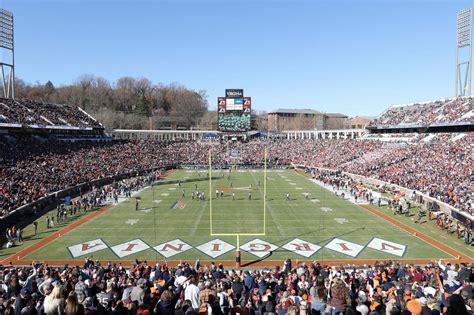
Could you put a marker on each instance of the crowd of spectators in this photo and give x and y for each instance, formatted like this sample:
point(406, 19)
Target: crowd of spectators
point(29, 112)
point(440, 111)
point(32, 168)
point(142, 289)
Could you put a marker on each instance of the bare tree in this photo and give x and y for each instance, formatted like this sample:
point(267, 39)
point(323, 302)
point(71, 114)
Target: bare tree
point(126, 103)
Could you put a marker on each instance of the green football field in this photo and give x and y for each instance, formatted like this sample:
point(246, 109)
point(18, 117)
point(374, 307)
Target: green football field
point(168, 226)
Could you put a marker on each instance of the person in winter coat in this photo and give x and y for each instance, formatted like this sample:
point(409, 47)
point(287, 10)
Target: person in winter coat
point(166, 304)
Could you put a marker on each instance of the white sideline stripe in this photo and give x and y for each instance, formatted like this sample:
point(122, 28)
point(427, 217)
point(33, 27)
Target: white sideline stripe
point(165, 194)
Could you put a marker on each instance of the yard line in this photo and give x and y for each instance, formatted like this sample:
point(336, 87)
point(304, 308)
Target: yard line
point(198, 221)
point(278, 225)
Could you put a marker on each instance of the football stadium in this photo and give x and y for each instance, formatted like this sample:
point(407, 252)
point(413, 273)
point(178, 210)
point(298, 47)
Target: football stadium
point(123, 196)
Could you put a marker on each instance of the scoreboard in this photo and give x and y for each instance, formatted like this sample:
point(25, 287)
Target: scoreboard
point(234, 111)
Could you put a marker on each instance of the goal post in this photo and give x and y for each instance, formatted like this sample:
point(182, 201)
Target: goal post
point(237, 234)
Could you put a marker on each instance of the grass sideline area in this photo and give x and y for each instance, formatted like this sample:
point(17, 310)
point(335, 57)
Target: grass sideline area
point(164, 216)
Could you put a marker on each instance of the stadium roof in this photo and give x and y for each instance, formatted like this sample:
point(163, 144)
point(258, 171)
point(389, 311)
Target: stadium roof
point(335, 115)
point(294, 111)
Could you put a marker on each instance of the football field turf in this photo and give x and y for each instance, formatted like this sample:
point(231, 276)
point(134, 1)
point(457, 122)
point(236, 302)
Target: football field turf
point(168, 226)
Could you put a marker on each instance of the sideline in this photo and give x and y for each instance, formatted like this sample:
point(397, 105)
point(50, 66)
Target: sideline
point(447, 249)
point(17, 257)
point(451, 251)
point(45, 241)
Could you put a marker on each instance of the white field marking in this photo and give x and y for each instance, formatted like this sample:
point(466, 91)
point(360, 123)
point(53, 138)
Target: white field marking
point(326, 209)
point(165, 194)
point(196, 222)
point(172, 188)
point(189, 171)
point(315, 200)
point(387, 247)
point(175, 185)
point(87, 247)
point(215, 248)
point(293, 184)
point(131, 221)
point(287, 180)
point(156, 201)
point(146, 210)
point(243, 188)
point(441, 235)
point(279, 171)
point(344, 247)
point(129, 248)
point(172, 248)
point(457, 243)
point(472, 250)
point(258, 247)
point(186, 177)
point(341, 220)
point(301, 247)
point(329, 188)
point(299, 188)
point(270, 211)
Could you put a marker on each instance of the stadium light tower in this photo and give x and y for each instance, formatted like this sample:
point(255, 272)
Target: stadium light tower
point(464, 52)
point(6, 44)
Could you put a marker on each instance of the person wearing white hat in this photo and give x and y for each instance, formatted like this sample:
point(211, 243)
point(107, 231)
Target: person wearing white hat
point(363, 309)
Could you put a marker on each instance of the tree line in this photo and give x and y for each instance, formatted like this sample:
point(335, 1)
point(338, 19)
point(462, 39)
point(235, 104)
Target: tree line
point(128, 103)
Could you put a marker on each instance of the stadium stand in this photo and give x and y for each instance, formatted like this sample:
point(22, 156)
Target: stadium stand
point(439, 168)
point(390, 288)
point(33, 167)
point(31, 113)
point(439, 111)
